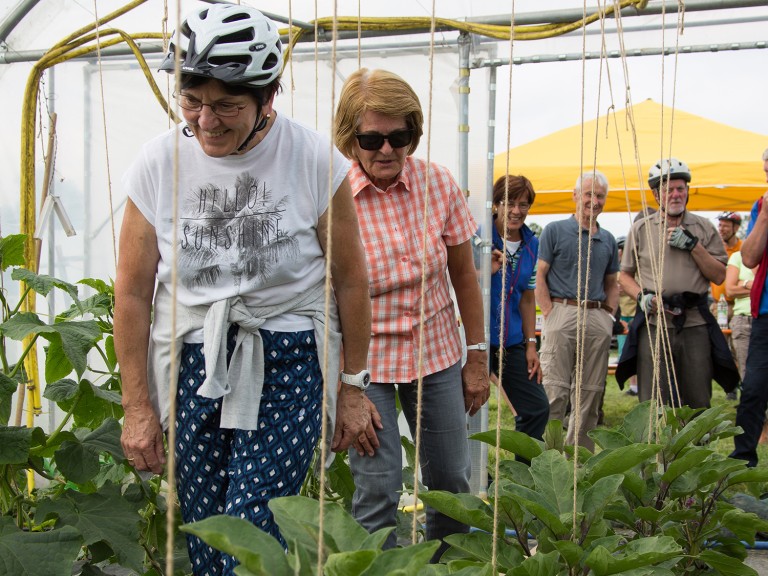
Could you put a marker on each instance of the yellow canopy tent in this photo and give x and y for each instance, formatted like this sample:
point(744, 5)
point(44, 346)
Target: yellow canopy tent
point(724, 161)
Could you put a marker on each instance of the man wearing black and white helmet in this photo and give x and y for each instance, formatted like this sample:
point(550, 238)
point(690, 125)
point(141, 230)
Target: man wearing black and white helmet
point(679, 253)
point(728, 224)
point(232, 225)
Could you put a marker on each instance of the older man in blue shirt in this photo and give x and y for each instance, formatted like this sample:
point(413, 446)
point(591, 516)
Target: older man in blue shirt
point(576, 282)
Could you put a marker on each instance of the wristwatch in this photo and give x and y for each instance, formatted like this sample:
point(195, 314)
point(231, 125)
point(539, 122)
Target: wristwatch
point(360, 380)
point(482, 346)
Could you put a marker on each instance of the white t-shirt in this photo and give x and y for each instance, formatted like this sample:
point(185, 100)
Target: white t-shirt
point(247, 224)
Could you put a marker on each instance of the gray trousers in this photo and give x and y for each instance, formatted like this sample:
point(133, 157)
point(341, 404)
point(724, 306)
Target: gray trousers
point(688, 356)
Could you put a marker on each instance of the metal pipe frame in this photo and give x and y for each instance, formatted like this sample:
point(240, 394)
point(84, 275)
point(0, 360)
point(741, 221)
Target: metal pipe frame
point(541, 17)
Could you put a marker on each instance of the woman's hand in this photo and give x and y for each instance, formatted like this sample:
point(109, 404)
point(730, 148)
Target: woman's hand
point(534, 365)
point(368, 441)
point(497, 260)
point(477, 387)
point(353, 418)
point(142, 439)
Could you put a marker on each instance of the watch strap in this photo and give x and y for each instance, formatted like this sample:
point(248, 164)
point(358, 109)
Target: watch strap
point(360, 380)
point(479, 346)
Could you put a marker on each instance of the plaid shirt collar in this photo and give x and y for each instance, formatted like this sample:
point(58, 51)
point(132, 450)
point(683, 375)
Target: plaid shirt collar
point(359, 180)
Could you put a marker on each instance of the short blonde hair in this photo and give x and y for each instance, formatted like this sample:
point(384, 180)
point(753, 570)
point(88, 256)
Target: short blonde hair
point(376, 91)
point(765, 154)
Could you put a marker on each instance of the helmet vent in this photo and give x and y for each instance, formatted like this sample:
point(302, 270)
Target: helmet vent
point(239, 36)
point(270, 62)
point(229, 61)
point(236, 17)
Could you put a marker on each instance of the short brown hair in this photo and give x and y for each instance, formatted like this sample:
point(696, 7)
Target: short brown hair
point(376, 91)
point(519, 187)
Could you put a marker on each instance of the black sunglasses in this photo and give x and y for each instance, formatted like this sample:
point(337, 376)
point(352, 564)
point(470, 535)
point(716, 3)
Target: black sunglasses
point(374, 140)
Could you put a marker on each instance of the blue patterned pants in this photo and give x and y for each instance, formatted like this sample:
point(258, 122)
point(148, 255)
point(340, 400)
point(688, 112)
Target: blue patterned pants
point(237, 472)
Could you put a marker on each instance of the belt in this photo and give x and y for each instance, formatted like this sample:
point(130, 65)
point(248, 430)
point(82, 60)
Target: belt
point(586, 303)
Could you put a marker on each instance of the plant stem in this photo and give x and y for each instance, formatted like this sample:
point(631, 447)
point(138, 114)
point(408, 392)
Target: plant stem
point(64, 420)
point(24, 354)
point(2, 354)
point(21, 301)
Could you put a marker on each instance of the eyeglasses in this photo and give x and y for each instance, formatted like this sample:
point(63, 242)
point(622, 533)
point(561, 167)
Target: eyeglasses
point(374, 140)
point(224, 109)
point(522, 206)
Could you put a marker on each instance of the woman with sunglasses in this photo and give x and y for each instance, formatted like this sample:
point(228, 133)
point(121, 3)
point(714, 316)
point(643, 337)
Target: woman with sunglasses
point(415, 226)
point(513, 277)
point(239, 254)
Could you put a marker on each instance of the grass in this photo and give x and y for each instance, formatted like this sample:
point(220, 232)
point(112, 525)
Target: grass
point(617, 403)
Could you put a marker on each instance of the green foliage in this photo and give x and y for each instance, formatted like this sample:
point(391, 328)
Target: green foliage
point(51, 552)
point(648, 502)
point(88, 508)
point(346, 547)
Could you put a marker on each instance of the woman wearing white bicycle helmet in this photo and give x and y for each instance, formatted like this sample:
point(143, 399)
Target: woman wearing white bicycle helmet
point(241, 249)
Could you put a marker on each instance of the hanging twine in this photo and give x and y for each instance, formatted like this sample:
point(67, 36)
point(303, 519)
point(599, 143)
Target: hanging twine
point(104, 124)
point(174, 374)
point(328, 296)
point(427, 191)
point(502, 305)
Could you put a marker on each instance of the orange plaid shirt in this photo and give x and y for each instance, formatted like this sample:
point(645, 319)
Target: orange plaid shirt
point(392, 230)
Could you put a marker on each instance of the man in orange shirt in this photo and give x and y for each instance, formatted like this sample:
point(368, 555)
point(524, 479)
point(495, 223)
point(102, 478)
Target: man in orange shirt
point(728, 225)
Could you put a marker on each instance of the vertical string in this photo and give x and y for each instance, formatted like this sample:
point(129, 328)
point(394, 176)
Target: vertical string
point(317, 70)
point(427, 191)
point(575, 410)
point(329, 381)
point(174, 373)
point(503, 304)
point(359, 36)
point(290, 58)
point(631, 125)
point(106, 141)
point(166, 41)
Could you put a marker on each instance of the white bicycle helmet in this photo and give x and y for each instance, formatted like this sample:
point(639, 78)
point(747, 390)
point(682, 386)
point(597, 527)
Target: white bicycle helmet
point(672, 169)
point(232, 43)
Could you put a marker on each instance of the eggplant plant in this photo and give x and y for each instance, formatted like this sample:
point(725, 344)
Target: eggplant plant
point(646, 503)
point(652, 500)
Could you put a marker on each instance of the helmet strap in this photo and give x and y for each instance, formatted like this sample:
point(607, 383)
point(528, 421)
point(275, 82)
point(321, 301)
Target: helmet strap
point(259, 125)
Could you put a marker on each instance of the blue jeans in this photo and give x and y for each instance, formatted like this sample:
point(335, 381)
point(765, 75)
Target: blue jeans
point(444, 456)
point(750, 413)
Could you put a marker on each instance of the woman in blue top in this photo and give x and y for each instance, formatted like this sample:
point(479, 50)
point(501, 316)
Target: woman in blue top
point(516, 247)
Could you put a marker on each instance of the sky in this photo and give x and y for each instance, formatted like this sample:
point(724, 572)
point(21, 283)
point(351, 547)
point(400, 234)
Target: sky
point(105, 115)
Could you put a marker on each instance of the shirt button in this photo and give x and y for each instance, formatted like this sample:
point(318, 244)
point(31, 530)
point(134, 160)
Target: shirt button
point(407, 314)
point(404, 259)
